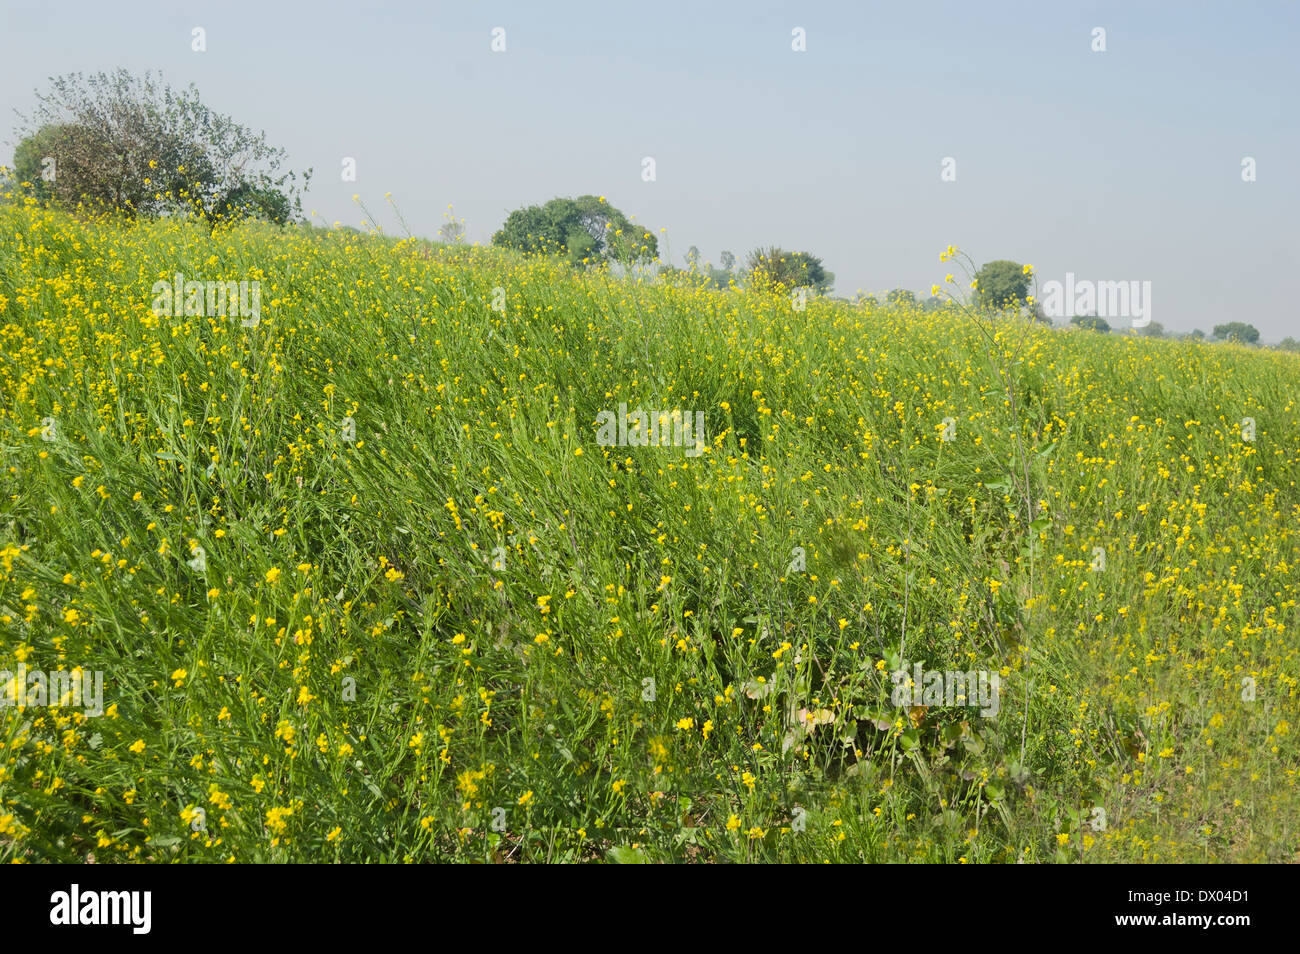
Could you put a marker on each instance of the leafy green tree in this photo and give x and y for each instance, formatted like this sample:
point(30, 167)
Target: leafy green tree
point(247, 201)
point(537, 230)
point(772, 266)
point(69, 164)
point(1153, 329)
point(719, 277)
point(36, 157)
point(135, 145)
point(1196, 334)
point(728, 261)
point(900, 296)
point(1001, 284)
point(1238, 331)
point(587, 230)
point(1289, 344)
point(1091, 322)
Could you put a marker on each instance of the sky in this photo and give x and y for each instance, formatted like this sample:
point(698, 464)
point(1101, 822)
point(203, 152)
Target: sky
point(1115, 165)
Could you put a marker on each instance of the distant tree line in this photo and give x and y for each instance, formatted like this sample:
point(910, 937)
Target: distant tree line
point(135, 146)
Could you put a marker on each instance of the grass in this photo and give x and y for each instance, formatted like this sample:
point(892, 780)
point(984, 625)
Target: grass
point(467, 631)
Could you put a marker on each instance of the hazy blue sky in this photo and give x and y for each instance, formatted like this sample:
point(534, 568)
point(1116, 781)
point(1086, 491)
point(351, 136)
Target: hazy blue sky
point(1119, 165)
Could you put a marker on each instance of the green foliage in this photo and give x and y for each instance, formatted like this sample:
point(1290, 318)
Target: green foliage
point(586, 230)
point(472, 610)
point(1001, 284)
point(36, 156)
point(901, 296)
point(137, 147)
point(248, 201)
point(774, 267)
point(719, 277)
point(1091, 323)
point(1237, 331)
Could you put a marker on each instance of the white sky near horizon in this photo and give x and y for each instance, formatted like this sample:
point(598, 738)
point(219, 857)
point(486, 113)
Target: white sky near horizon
point(1115, 166)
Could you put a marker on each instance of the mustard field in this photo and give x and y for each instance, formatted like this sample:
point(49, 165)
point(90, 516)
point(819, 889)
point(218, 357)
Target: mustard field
point(373, 558)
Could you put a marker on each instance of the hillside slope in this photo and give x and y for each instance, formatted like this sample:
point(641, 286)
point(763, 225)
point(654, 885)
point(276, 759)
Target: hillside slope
point(363, 582)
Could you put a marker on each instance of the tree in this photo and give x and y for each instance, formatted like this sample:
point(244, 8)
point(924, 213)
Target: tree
point(728, 261)
point(771, 267)
point(247, 201)
point(36, 157)
point(586, 230)
point(1091, 322)
point(1001, 284)
point(719, 277)
point(1153, 329)
point(693, 258)
point(900, 296)
point(136, 146)
point(69, 163)
point(1238, 331)
point(453, 229)
point(1289, 344)
point(1196, 334)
